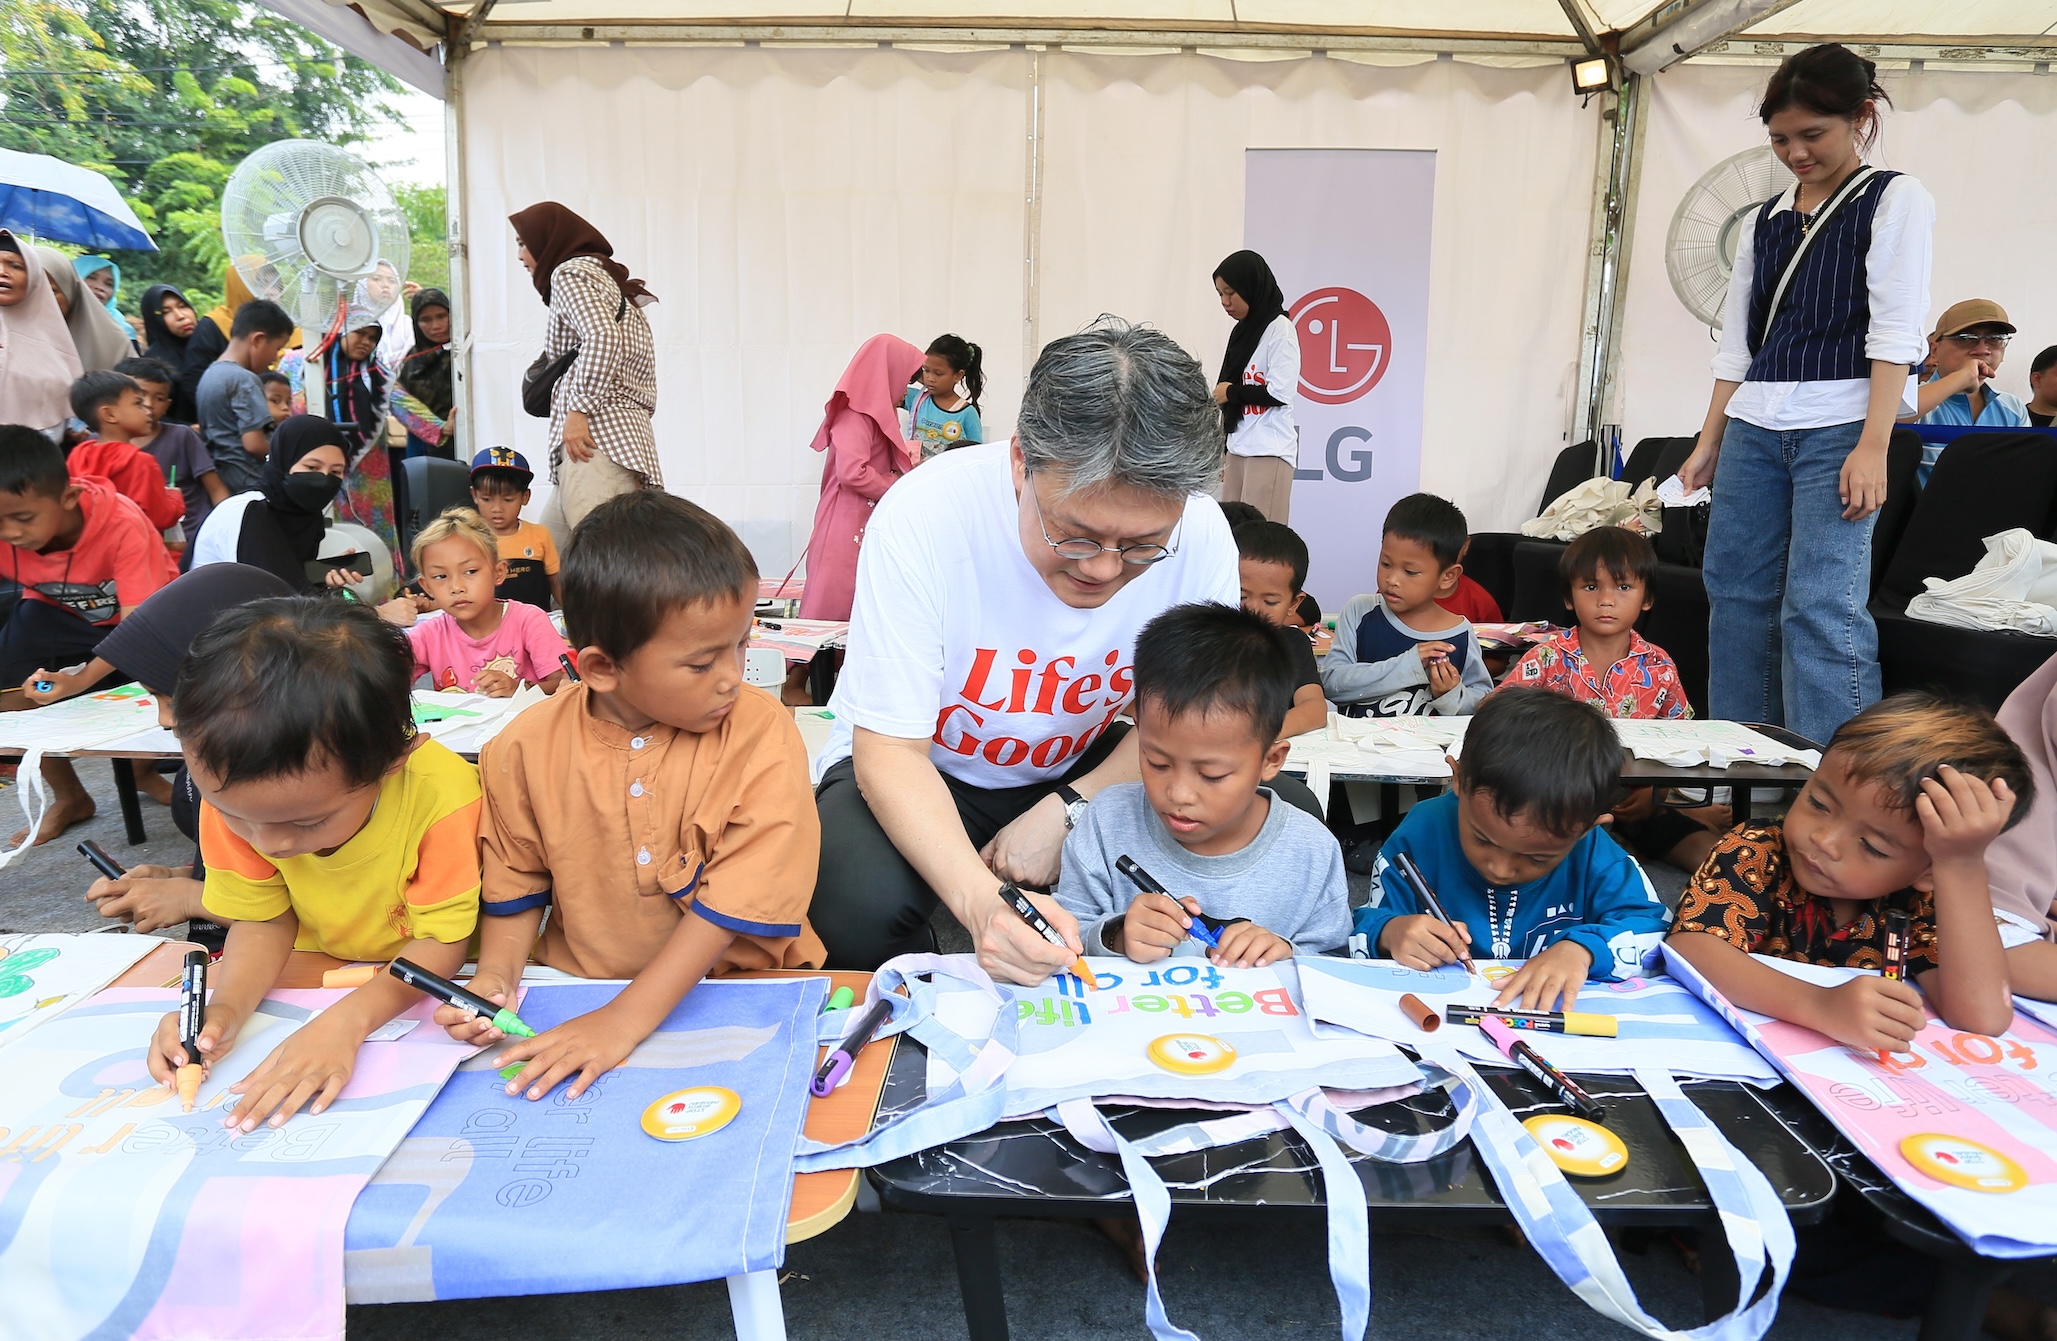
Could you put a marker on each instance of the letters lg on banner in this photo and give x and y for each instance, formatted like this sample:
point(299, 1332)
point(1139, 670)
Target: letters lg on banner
point(1348, 230)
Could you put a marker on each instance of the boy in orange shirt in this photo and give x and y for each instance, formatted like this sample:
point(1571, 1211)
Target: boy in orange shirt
point(660, 808)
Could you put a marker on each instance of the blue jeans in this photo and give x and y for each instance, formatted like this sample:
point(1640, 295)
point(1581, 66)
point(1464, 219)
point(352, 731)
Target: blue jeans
point(1790, 641)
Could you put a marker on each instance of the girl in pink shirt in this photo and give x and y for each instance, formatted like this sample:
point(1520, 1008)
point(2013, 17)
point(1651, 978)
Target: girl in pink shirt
point(478, 644)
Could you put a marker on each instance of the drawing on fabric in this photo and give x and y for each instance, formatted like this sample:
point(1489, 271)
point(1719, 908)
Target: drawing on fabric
point(121, 1216)
point(1662, 1024)
point(493, 1194)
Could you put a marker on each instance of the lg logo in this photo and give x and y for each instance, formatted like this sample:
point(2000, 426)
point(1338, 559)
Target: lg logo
point(1345, 344)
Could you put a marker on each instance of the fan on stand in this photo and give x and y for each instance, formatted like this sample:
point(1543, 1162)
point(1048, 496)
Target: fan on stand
point(305, 223)
point(313, 229)
point(1700, 249)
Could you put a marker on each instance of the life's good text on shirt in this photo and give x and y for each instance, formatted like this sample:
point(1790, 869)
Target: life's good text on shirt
point(1035, 686)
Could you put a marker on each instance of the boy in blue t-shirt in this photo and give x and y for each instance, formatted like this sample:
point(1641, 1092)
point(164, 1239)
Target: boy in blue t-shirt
point(1514, 855)
point(1397, 653)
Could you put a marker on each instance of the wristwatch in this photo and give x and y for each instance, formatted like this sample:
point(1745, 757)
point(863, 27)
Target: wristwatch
point(1074, 805)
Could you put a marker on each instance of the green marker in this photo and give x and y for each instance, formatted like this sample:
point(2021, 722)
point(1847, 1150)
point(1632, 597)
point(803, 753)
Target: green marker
point(511, 1070)
point(840, 999)
point(442, 989)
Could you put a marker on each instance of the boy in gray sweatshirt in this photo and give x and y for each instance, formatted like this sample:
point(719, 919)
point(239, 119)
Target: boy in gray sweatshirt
point(1213, 684)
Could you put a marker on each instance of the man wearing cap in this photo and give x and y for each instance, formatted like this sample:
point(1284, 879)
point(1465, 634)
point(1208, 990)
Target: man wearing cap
point(1964, 354)
point(500, 478)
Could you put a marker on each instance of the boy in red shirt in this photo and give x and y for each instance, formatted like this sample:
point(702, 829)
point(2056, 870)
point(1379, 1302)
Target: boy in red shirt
point(115, 408)
point(75, 557)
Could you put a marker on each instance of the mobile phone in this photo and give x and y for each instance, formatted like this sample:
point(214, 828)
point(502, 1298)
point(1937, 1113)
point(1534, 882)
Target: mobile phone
point(357, 562)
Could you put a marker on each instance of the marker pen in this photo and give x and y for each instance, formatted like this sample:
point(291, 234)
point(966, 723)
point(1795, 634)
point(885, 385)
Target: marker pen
point(1528, 1059)
point(1206, 930)
point(1011, 895)
point(571, 671)
point(1541, 1021)
point(449, 993)
point(102, 863)
point(1897, 929)
point(840, 999)
point(1411, 873)
point(843, 1056)
point(192, 1018)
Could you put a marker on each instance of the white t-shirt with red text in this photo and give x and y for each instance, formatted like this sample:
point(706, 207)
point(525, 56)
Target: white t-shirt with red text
point(955, 637)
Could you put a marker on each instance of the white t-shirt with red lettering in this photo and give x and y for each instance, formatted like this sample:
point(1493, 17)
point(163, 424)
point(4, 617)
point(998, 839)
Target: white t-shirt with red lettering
point(955, 637)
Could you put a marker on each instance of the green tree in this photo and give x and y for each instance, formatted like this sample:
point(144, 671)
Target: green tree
point(166, 97)
point(427, 231)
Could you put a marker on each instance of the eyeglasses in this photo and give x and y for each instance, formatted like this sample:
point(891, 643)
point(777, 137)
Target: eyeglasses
point(1079, 548)
point(1972, 339)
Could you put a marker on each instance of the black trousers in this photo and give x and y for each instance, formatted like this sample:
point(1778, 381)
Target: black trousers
point(869, 902)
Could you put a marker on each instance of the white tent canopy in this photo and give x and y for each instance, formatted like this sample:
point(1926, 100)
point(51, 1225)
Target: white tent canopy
point(790, 183)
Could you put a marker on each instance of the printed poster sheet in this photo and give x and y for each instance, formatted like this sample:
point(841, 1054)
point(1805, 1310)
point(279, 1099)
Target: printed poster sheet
point(1177, 1029)
point(497, 1195)
point(1964, 1124)
point(122, 1217)
point(43, 975)
point(1661, 1023)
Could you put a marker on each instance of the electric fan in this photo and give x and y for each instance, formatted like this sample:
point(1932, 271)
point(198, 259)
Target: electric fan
point(1700, 249)
point(305, 223)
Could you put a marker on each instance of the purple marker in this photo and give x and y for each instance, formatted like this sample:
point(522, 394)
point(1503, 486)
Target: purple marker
point(844, 1055)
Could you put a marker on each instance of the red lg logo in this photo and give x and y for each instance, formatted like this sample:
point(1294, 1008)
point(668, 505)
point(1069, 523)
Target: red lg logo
point(1344, 344)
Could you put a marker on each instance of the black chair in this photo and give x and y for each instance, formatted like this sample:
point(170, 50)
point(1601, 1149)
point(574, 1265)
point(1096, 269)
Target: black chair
point(1490, 560)
point(428, 484)
point(1983, 483)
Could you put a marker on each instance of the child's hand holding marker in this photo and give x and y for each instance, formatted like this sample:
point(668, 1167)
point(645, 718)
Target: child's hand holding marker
point(1154, 926)
point(167, 1053)
point(1423, 941)
point(591, 1044)
point(467, 1027)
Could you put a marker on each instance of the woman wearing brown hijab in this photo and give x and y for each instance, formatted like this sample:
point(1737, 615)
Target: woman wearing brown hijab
point(601, 440)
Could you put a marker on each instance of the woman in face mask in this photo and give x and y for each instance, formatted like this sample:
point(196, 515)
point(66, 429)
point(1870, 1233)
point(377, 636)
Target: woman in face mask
point(278, 525)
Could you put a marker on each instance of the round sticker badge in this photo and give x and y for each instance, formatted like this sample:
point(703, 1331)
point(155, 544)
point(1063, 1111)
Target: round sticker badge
point(1582, 1149)
point(1963, 1163)
point(685, 1114)
point(1191, 1054)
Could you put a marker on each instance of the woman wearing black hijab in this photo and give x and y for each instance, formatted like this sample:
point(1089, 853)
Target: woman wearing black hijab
point(424, 390)
point(147, 647)
point(278, 525)
point(1259, 375)
point(168, 322)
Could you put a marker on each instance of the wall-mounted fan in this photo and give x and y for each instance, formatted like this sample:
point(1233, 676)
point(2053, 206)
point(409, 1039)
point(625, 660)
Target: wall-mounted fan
point(305, 223)
point(1700, 249)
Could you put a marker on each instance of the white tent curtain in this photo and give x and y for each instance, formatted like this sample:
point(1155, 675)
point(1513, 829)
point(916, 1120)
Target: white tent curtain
point(785, 204)
point(1970, 137)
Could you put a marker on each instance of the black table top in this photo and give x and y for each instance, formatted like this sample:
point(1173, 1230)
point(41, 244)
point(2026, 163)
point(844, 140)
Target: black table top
point(1032, 1166)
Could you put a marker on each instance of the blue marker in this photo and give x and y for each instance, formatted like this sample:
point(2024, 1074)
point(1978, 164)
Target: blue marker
point(1206, 930)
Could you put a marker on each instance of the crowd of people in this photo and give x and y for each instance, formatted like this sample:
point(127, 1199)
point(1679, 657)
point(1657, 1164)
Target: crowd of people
point(1063, 651)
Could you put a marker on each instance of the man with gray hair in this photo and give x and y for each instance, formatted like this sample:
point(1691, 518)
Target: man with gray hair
point(999, 593)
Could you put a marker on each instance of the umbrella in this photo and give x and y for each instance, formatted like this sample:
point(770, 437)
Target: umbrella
point(60, 202)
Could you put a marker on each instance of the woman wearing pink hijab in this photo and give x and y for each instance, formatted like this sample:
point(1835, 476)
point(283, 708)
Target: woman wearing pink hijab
point(860, 431)
point(38, 362)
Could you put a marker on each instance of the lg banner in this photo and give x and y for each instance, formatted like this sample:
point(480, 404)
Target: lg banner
point(1347, 233)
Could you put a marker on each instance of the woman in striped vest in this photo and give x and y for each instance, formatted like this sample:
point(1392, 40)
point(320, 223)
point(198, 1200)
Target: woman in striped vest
point(1824, 320)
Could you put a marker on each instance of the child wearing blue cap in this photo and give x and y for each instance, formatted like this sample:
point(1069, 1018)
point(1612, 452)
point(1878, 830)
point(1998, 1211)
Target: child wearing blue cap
point(500, 478)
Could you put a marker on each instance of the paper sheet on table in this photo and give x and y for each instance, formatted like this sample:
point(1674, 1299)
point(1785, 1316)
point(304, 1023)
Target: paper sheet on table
point(1662, 1024)
point(1719, 744)
point(82, 723)
point(800, 639)
point(43, 975)
point(1964, 1124)
point(122, 1216)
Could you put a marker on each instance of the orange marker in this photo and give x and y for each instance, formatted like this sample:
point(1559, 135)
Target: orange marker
point(1020, 903)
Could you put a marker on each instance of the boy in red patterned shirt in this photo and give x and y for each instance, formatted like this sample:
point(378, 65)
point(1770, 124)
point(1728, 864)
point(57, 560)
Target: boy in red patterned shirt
point(1602, 660)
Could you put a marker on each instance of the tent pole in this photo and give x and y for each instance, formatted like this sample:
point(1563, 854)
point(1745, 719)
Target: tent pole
point(1616, 181)
point(455, 209)
point(1032, 219)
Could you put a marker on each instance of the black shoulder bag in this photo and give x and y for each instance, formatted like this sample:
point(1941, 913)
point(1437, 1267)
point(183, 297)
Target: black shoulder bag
point(539, 383)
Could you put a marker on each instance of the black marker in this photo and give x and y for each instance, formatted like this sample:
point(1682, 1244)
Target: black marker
point(1206, 930)
point(571, 672)
point(192, 1018)
point(1010, 893)
point(102, 863)
point(843, 1056)
point(1411, 873)
point(450, 994)
point(1895, 969)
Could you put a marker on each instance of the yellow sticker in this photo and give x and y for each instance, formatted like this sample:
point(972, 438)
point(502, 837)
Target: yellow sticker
point(689, 1113)
point(1580, 1148)
point(1192, 1054)
point(1963, 1163)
